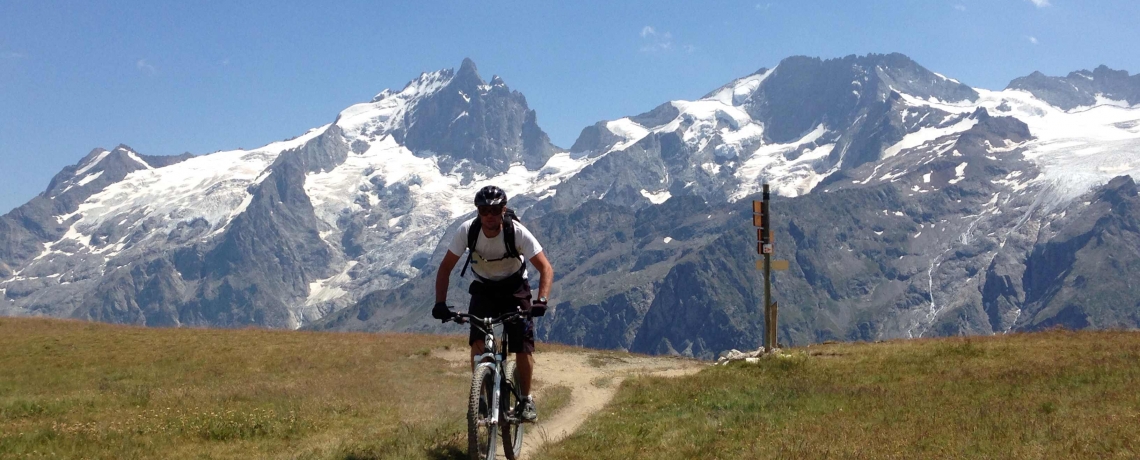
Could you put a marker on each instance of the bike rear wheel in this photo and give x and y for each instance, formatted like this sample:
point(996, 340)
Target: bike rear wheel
point(512, 430)
point(480, 432)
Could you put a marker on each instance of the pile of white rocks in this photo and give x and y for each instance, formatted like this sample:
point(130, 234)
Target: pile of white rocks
point(748, 357)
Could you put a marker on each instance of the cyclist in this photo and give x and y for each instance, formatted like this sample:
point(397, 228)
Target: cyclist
point(500, 284)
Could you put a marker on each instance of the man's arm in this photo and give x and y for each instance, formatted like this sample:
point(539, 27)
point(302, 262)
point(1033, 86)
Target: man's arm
point(545, 273)
point(443, 276)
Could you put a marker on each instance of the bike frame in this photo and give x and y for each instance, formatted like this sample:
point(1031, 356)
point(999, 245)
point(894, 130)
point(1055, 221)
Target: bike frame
point(493, 359)
point(494, 355)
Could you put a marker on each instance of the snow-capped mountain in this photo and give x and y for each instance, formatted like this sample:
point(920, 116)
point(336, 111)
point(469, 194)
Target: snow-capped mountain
point(807, 119)
point(1083, 89)
point(282, 234)
point(800, 122)
point(909, 203)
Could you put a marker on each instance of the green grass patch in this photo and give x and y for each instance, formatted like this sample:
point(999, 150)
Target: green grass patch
point(552, 399)
point(1056, 394)
point(600, 358)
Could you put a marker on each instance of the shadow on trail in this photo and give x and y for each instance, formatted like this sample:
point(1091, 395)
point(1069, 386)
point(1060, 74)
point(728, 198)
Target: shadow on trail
point(435, 453)
point(447, 453)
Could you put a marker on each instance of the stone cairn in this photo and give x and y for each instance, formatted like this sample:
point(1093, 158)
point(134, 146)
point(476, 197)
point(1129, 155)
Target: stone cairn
point(748, 357)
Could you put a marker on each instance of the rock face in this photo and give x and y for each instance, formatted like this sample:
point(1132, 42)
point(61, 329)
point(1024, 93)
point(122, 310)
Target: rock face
point(1084, 275)
point(907, 204)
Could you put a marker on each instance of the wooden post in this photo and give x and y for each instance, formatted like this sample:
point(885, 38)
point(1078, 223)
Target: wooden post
point(772, 339)
point(768, 314)
point(760, 218)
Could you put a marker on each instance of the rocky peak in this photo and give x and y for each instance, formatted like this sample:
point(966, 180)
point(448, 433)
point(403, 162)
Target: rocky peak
point(467, 77)
point(1104, 74)
point(804, 92)
point(1119, 190)
point(464, 121)
point(467, 67)
point(95, 152)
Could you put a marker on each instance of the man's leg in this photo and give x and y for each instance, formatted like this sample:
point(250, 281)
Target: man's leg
point(524, 359)
point(525, 363)
point(477, 349)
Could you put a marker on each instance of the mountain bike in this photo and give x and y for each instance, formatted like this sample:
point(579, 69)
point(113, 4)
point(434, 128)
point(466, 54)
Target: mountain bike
point(495, 393)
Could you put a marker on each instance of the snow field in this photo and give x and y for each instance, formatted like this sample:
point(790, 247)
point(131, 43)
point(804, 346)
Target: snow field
point(1077, 150)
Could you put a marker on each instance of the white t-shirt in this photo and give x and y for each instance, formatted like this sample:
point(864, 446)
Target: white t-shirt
point(488, 260)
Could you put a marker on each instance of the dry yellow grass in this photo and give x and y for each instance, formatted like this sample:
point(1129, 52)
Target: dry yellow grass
point(1056, 394)
point(83, 390)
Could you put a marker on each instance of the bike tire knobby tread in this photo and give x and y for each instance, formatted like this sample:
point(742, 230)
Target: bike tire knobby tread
point(482, 380)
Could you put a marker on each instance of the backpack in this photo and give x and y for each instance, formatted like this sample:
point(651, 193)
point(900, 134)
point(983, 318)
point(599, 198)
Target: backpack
point(509, 218)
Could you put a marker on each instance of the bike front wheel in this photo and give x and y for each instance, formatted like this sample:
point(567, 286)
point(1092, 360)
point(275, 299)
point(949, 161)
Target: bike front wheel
point(480, 433)
point(513, 427)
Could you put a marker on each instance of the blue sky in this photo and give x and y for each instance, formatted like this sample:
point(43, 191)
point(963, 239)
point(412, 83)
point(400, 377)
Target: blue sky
point(202, 76)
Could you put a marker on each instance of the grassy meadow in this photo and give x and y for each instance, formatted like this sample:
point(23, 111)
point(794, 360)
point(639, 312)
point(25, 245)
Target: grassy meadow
point(1051, 395)
point(72, 389)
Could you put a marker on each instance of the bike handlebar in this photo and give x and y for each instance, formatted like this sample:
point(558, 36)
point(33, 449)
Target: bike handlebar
point(464, 317)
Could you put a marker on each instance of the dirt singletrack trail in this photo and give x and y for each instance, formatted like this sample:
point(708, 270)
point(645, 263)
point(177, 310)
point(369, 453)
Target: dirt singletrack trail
point(593, 379)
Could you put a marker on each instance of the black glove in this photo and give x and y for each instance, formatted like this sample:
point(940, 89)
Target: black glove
point(538, 308)
point(441, 312)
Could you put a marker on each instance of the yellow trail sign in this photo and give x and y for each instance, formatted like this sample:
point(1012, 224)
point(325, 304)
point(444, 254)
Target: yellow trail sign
point(776, 265)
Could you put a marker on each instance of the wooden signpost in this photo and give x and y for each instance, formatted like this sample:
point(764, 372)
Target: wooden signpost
point(765, 247)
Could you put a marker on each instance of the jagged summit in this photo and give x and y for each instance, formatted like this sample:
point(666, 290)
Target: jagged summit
point(468, 71)
point(455, 116)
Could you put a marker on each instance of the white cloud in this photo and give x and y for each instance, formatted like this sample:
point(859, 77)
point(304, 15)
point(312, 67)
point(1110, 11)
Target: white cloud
point(1040, 3)
point(1032, 39)
point(11, 55)
point(146, 68)
point(763, 6)
point(960, 7)
point(654, 41)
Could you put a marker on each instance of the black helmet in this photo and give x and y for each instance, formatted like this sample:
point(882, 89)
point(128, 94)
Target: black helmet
point(491, 196)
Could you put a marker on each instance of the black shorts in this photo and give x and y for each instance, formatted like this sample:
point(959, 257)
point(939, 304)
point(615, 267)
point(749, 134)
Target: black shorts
point(491, 299)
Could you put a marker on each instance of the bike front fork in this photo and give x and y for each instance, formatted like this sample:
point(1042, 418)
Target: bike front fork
point(493, 404)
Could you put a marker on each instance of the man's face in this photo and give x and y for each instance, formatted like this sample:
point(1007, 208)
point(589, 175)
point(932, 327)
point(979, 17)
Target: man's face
point(491, 216)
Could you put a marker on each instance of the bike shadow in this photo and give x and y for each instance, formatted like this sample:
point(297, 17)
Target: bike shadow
point(447, 453)
point(436, 453)
point(444, 452)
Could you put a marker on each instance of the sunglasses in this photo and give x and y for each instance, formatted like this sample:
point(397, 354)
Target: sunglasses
point(490, 210)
